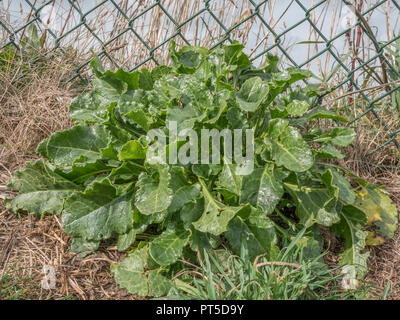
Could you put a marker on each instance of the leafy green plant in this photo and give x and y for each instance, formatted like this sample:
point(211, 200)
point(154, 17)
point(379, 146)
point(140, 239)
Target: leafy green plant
point(101, 179)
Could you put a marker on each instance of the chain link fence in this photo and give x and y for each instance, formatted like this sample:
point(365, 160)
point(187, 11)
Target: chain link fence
point(352, 46)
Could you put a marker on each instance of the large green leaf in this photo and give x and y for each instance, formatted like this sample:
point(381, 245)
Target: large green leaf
point(185, 194)
point(252, 93)
point(314, 205)
point(262, 189)
point(78, 142)
point(341, 137)
point(132, 150)
point(80, 172)
point(138, 274)
point(379, 208)
point(88, 108)
point(258, 233)
point(234, 56)
point(185, 117)
point(199, 240)
point(350, 228)
point(192, 211)
point(98, 213)
point(328, 151)
point(322, 113)
point(229, 179)
point(128, 170)
point(109, 86)
point(297, 107)
point(339, 186)
point(41, 190)
point(288, 148)
point(126, 240)
point(130, 78)
point(133, 105)
point(153, 195)
point(216, 215)
point(167, 248)
point(84, 247)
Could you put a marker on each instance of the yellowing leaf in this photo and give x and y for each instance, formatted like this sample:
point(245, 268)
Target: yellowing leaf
point(372, 211)
point(373, 240)
point(379, 209)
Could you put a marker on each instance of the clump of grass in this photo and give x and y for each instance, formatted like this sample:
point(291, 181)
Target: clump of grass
point(14, 286)
point(294, 276)
point(34, 99)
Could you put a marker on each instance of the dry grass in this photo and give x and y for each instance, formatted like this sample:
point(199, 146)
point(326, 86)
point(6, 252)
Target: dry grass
point(31, 109)
point(384, 260)
point(384, 266)
point(28, 244)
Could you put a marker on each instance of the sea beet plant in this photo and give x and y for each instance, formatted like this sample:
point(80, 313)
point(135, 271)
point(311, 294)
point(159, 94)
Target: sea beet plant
point(99, 177)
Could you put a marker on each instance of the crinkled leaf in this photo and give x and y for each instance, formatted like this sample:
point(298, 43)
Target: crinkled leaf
point(80, 172)
point(167, 247)
point(297, 107)
point(109, 87)
point(41, 190)
point(132, 150)
point(184, 195)
point(199, 240)
point(63, 148)
point(205, 171)
point(341, 137)
point(153, 195)
point(288, 148)
point(216, 215)
point(252, 93)
point(332, 179)
point(185, 117)
point(314, 205)
point(84, 247)
point(259, 235)
point(373, 239)
point(262, 189)
point(230, 179)
point(128, 170)
point(192, 211)
point(98, 213)
point(322, 113)
point(139, 275)
point(312, 243)
point(133, 105)
point(328, 151)
point(234, 56)
point(126, 240)
point(88, 108)
point(130, 78)
point(379, 209)
point(297, 74)
point(355, 262)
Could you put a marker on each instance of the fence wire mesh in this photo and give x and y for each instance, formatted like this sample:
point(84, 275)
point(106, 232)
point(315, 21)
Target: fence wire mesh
point(353, 46)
